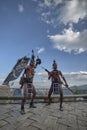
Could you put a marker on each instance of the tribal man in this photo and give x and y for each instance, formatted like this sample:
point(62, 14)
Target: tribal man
point(27, 82)
point(57, 78)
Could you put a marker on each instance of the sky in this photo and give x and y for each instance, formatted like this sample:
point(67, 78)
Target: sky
point(54, 29)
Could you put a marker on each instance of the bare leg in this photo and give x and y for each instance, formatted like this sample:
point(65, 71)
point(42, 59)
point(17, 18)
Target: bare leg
point(61, 96)
point(49, 94)
point(25, 97)
point(33, 96)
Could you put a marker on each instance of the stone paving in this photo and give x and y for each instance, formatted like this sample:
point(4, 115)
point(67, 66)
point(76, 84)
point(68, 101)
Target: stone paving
point(74, 117)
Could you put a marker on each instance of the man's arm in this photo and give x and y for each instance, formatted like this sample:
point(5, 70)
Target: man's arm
point(63, 78)
point(22, 79)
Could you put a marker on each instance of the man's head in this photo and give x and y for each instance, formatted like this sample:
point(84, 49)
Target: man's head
point(54, 65)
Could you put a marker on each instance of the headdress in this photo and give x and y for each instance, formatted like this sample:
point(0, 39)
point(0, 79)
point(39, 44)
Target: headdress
point(34, 62)
point(54, 65)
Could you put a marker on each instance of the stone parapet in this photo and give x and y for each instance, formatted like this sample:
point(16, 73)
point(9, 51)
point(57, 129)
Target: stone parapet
point(4, 91)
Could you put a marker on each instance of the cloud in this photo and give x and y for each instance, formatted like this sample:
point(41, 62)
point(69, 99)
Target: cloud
point(70, 40)
point(83, 72)
point(73, 11)
point(20, 8)
point(48, 10)
point(49, 3)
point(73, 78)
point(40, 50)
point(60, 11)
point(76, 78)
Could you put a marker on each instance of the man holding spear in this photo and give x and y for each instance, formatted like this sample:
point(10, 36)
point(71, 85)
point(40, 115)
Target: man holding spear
point(57, 80)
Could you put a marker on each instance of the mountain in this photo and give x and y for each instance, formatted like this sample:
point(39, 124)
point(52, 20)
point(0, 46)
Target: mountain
point(81, 87)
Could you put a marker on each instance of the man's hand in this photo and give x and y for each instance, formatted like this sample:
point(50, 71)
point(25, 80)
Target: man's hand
point(66, 85)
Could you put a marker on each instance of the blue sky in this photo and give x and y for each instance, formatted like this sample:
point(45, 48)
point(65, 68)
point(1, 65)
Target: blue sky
point(54, 29)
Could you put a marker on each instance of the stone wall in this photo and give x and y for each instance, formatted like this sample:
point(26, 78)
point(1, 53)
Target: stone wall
point(4, 91)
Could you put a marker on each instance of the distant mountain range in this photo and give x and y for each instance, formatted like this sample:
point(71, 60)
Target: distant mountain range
point(81, 87)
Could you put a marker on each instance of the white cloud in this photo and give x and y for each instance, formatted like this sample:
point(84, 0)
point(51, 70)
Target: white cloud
point(73, 11)
point(62, 11)
point(70, 40)
point(73, 78)
point(20, 8)
point(49, 3)
point(48, 10)
point(83, 72)
point(77, 78)
point(40, 50)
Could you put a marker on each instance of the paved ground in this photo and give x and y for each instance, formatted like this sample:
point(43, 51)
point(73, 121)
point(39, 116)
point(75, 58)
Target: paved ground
point(74, 117)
